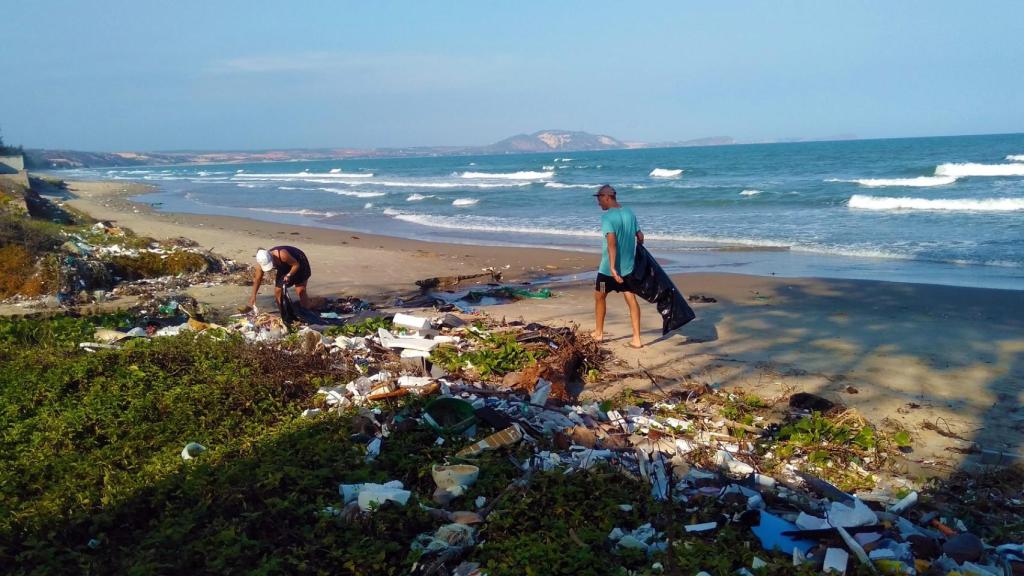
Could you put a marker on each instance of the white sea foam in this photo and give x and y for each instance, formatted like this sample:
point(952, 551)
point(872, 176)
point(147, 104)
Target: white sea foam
point(415, 197)
point(354, 193)
point(300, 212)
point(522, 175)
point(750, 193)
point(918, 182)
point(397, 183)
point(368, 205)
point(547, 167)
point(464, 202)
point(971, 169)
point(665, 173)
point(305, 175)
point(239, 171)
point(335, 170)
point(1015, 157)
point(560, 185)
point(246, 185)
point(958, 205)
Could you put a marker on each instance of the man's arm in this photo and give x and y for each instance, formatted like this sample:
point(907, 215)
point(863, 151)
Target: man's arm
point(613, 252)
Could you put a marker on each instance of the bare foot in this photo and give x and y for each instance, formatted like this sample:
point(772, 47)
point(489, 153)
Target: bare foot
point(636, 344)
point(597, 336)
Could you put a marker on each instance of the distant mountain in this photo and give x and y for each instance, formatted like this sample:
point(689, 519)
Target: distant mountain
point(554, 141)
point(541, 141)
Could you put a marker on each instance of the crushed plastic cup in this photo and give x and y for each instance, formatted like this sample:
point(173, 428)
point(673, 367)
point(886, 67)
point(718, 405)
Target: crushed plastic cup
point(191, 450)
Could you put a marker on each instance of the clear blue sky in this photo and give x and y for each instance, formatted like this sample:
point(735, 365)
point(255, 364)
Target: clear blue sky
point(138, 75)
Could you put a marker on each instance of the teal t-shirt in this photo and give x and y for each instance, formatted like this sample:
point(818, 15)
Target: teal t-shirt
point(622, 222)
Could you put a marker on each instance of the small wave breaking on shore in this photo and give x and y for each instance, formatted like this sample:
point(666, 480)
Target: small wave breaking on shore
point(959, 205)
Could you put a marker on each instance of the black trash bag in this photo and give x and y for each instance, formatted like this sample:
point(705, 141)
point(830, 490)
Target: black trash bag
point(650, 282)
point(293, 312)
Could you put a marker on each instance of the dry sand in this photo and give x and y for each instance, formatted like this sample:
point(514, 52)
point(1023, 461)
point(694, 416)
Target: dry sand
point(901, 353)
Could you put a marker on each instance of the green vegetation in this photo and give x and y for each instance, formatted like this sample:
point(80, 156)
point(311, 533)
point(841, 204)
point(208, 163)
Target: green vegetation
point(497, 354)
point(364, 328)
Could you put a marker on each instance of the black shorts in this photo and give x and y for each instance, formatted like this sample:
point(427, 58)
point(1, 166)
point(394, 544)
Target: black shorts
point(299, 279)
point(606, 283)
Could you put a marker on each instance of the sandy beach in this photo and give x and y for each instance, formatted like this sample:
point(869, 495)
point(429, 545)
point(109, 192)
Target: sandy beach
point(946, 357)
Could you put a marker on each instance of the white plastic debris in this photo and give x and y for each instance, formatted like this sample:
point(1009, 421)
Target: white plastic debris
point(540, 393)
point(373, 449)
point(413, 381)
point(705, 527)
point(905, 503)
point(410, 321)
point(836, 560)
point(191, 450)
point(734, 467)
point(370, 494)
point(310, 412)
point(859, 514)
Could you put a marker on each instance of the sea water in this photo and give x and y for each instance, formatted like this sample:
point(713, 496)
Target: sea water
point(947, 210)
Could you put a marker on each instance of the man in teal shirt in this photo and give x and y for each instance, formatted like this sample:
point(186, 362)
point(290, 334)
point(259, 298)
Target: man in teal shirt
point(621, 235)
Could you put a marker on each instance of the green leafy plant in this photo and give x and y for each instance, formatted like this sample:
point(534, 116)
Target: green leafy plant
point(363, 328)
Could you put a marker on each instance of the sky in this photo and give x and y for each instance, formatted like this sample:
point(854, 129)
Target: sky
point(245, 75)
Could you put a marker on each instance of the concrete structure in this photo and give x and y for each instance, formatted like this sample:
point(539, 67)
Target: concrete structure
point(12, 164)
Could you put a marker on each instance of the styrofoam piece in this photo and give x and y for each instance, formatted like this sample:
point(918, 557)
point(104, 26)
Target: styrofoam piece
point(310, 412)
point(447, 339)
point(376, 496)
point(836, 560)
point(414, 381)
point(859, 514)
point(410, 353)
point(410, 321)
point(350, 492)
point(388, 340)
point(727, 463)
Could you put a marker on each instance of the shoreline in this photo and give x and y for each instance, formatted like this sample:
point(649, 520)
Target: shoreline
point(907, 354)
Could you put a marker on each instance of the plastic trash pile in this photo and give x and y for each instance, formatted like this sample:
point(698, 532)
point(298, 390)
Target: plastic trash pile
point(694, 461)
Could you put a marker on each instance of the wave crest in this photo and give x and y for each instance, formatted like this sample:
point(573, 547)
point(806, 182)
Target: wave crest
point(1015, 157)
point(415, 197)
point(972, 169)
point(665, 173)
point(958, 205)
point(918, 182)
point(522, 175)
point(750, 192)
point(464, 202)
point(354, 193)
point(300, 212)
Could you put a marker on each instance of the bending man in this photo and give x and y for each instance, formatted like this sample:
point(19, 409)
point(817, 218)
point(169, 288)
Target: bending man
point(621, 234)
point(292, 270)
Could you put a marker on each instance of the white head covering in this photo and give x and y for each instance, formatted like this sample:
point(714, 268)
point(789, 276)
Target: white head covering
point(264, 260)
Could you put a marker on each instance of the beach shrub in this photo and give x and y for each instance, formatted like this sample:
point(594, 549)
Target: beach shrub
point(364, 328)
point(493, 354)
point(153, 264)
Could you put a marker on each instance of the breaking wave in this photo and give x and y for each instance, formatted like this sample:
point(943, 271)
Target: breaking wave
point(464, 202)
point(1015, 157)
point(918, 182)
point(354, 193)
point(523, 175)
point(559, 185)
point(750, 192)
point(415, 197)
point(959, 205)
point(972, 169)
point(665, 173)
point(300, 212)
point(300, 175)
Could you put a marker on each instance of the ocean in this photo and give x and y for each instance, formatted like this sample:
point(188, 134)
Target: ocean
point(944, 210)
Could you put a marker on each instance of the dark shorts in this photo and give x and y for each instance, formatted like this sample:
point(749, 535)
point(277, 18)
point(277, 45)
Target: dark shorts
point(299, 279)
point(606, 283)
